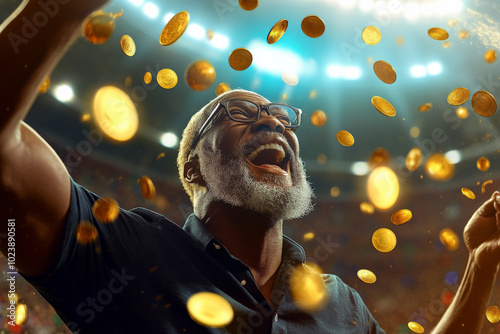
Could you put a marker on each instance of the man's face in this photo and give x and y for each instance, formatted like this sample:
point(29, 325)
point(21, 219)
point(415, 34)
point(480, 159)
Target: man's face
point(255, 165)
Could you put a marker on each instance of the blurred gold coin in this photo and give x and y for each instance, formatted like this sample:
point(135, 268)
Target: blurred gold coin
point(413, 159)
point(307, 288)
point(174, 29)
point(462, 112)
point(401, 217)
point(308, 236)
point(277, 31)
point(383, 106)
point(439, 168)
point(222, 88)
point(493, 314)
point(313, 26)
point(379, 157)
point(128, 45)
point(99, 26)
point(248, 4)
point(458, 96)
point(240, 59)
point(321, 158)
point(367, 208)
point(345, 138)
point(425, 107)
point(86, 118)
point(382, 187)
point(105, 209)
point(371, 35)
point(209, 309)
point(128, 81)
point(290, 78)
point(446, 45)
point(483, 164)
point(400, 40)
point(438, 34)
point(210, 34)
point(44, 86)
point(415, 327)
point(148, 77)
point(384, 240)
point(384, 71)
point(147, 187)
point(85, 232)
point(167, 78)
point(490, 56)
point(115, 113)
point(367, 276)
point(463, 34)
point(483, 103)
point(21, 314)
point(468, 193)
point(452, 22)
point(200, 75)
point(483, 186)
point(319, 118)
point(449, 239)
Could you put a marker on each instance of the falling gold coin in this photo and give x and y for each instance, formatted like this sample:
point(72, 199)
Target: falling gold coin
point(367, 208)
point(308, 236)
point(321, 158)
point(462, 112)
point(240, 59)
point(167, 78)
point(371, 35)
point(483, 186)
point(128, 45)
point(147, 187)
point(384, 71)
point(401, 217)
point(318, 118)
point(290, 78)
point(105, 209)
point(307, 288)
point(382, 187)
point(210, 34)
point(209, 309)
point(313, 26)
point(200, 75)
point(415, 327)
point(128, 81)
point(493, 314)
point(345, 138)
point(367, 276)
point(383, 106)
point(277, 31)
point(438, 34)
point(384, 240)
point(463, 34)
point(44, 86)
point(490, 56)
point(458, 96)
point(449, 239)
point(86, 118)
point(334, 191)
point(21, 314)
point(99, 26)
point(248, 4)
point(483, 103)
point(446, 45)
point(452, 22)
point(468, 193)
point(174, 29)
point(379, 157)
point(413, 159)
point(400, 40)
point(425, 107)
point(439, 168)
point(86, 232)
point(148, 77)
point(483, 164)
point(222, 88)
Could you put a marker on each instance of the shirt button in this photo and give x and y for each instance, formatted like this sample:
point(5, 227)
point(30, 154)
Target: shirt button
point(276, 317)
point(243, 282)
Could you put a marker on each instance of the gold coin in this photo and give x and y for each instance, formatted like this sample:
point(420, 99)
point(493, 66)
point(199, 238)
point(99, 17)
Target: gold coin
point(383, 106)
point(493, 314)
point(463, 34)
point(148, 77)
point(308, 236)
point(322, 158)
point(21, 314)
point(98, 27)
point(379, 157)
point(367, 276)
point(174, 29)
point(446, 45)
point(277, 31)
point(449, 239)
point(335, 191)
point(468, 193)
point(44, 86)
point(452, 23)
point(86, 232)
point(318, 118)
point(439, 168)
point(248, 4)
point(382, 187)
point(345, 138)
point(222, 88)
point(105, 209)
point(458, 96)
point(400, 40)
point(167, 78)
point(483, 164)
point(425, 107)
point(371, 35)
point(384, 71)
point(210, 34)
point(483, 103)
point(413, 159)
point(128, 45)
point(128, 81)
point(401, 217)
point(313, 26)
point(462, 112)
point(490, 56)
point(483, 186)
point(367, 207)
point(209, 309)
point(415, 327)
point(240, 59)
point(438, 34)
point(200, 75)
point(307, 288)
point(147, 187)
point(384, 240)
point(85, 117)
point(115, 113)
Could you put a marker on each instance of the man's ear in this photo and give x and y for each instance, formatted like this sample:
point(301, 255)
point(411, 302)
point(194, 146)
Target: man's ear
point(192, 172)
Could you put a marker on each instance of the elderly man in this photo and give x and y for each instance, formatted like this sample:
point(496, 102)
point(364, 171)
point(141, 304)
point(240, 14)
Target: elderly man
point(239, 162)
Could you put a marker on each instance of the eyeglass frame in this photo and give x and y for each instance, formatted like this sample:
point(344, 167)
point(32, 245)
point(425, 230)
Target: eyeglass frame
point(259, 111)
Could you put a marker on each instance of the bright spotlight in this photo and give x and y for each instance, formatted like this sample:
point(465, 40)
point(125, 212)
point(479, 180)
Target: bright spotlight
point(418, 71)
point(453, 156)
point(434, 68)
point(196, 31)
point(151, 10)
point(64, 93)
point(220, 41)
point(169, 139)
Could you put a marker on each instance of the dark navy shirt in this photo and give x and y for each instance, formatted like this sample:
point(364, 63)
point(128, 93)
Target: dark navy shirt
point(138, 274)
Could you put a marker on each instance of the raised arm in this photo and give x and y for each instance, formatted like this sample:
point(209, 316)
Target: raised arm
point(34, 183)
point(482, 237)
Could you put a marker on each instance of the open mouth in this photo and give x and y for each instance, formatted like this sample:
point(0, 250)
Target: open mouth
point(270, 158)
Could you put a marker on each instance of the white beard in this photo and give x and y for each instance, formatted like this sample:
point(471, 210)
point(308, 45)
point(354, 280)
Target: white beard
point(229, 180)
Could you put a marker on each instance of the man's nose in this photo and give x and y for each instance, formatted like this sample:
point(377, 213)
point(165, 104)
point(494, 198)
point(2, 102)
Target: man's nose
point(268, 122)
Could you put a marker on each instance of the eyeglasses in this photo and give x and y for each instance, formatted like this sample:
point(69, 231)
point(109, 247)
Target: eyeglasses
point(245, 111)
